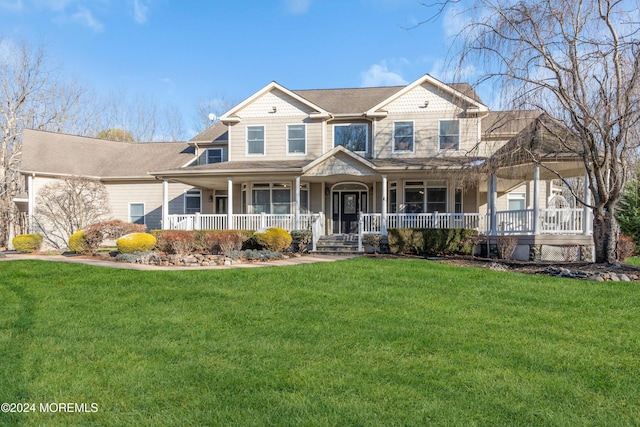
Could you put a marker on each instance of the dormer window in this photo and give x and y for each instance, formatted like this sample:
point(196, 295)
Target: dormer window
point(214, 155)
point(353, 136)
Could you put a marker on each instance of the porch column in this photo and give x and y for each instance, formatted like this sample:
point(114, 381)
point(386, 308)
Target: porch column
point(229, 203)
point(296, 214)
point(536, 204)
point(383, 210)
point(586, 210)
point(30, 208)
point(492, 203)
point(165, 204)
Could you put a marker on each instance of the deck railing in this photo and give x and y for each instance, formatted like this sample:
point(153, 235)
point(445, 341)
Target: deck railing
point(549, 221)
point(240, 221)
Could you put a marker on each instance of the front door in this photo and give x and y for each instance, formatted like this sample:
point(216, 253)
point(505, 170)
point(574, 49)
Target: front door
point(347, 206)
point(349, 216)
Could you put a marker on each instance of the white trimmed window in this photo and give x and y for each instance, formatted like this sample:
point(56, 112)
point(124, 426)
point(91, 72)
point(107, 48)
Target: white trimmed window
point(403, 136)
point(214, 155)
point(425, 196)
point(192, 201)
point(296, 139)
point(353, 136)
point(393, 197)
point(304, 198)
point(516, 201)
point(271, 198)
point(136, 213)
point(255, 140)
point(449, 134)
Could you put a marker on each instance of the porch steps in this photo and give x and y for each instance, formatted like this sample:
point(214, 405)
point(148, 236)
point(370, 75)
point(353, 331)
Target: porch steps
point(338, 244)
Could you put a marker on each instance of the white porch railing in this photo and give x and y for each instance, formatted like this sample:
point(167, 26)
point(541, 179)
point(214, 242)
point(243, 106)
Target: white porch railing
point(240, 222)
point(433, 220)
point(550, 221)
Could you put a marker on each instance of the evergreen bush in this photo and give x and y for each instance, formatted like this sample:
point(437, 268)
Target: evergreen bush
point(274, 239)
point(27, 243)
point(136, 242)
point(430, 241)
point(77, 243)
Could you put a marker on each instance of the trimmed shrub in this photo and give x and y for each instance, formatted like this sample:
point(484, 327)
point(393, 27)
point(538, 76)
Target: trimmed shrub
point(302, 239)
point(431, 241)
point(176, 241)
point(135, 242)
point(95, 233)
point(77, 242)
point(27, 243)
point(274, 239)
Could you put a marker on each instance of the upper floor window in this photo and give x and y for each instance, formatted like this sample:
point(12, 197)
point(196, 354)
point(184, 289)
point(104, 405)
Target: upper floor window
point(402, 136)
point(296, 139)
point(449, 134)
point(192, 201)
point(214, 155)
point(255, 140)
point(353, 136)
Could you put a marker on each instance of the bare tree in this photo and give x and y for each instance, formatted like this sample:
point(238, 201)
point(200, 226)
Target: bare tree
point(217, 105)
point(33, 95)
point(68, 205)
point(579, 62)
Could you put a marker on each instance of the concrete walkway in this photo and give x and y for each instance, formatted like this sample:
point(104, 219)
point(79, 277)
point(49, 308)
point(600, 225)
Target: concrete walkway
point(306, 259)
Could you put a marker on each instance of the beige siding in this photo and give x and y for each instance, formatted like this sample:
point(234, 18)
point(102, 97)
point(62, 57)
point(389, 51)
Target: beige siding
point(122, 194)
point(261, 112)
point(276, 146)
point(425, 106)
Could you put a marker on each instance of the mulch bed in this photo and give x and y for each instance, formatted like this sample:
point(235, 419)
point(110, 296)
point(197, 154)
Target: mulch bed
point(531, 267)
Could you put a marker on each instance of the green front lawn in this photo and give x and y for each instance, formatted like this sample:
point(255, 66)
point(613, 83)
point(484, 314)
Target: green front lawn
point(358, 342)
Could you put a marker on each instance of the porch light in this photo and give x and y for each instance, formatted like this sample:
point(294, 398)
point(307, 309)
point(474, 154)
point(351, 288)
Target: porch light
point(425, 105)
point(274, 109)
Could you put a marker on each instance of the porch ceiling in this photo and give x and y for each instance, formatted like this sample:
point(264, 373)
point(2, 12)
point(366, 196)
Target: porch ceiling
point(548, 170)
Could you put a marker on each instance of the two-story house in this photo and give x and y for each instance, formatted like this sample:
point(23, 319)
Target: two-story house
point(343, 160)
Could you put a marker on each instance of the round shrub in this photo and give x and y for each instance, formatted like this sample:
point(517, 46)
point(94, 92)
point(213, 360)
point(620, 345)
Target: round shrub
point(27, 243)
point(274, 239)
point(136, 242)
point(77, 242)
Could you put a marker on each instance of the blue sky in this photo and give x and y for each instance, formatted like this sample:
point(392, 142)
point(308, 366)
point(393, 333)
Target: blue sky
point(185, 52)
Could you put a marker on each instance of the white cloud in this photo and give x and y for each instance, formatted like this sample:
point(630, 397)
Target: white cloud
point(84, 17)
point(140, 11)
point(380, 75)
point(298, 7)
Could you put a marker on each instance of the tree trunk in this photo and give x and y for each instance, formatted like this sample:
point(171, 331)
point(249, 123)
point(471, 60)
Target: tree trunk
point(605, 229)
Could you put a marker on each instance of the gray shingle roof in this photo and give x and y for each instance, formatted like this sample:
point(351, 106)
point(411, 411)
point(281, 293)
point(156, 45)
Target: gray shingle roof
point(216, 133)
point(348, 101)
point(55, 153)
point(359, 100)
